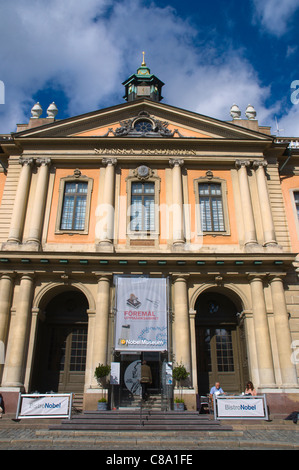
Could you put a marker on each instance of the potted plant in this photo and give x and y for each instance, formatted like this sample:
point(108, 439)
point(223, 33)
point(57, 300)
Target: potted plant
point(102, 404)
point(101, 372)
point(178, 404)
point(180, 374)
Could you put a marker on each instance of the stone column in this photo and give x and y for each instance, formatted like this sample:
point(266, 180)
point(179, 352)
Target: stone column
point(6, 287)
point(177, 202)
point(267, 219)
point(14, 369)
point(100, 334)
point(181, 322)
point(20, 204)
point(106, 222)
point(37, 215)
point(262, 334)
point(283, 335)
point(249, 225)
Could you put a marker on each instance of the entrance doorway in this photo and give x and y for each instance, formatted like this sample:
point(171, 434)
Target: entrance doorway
point(220, 344)
point(61, 345)
point(128, 393)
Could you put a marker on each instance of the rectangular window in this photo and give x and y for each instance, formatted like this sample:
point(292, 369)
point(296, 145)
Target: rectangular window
point(74, 206)
point(211, 207)
point(224, 350)
point(142, 207)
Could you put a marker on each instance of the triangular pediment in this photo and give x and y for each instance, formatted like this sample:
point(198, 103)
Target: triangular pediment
point(120, 122)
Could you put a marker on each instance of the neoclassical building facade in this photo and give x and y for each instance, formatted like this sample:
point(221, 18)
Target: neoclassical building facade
point(147, 190)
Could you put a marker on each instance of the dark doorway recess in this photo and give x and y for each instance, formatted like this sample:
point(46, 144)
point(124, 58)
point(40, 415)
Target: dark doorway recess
point(61, 346)
point(220, 343)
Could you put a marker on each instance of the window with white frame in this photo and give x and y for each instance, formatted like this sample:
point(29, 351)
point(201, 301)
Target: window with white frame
point(74, 205)
point(142, 207)
point(211, 205)
point(143, 190)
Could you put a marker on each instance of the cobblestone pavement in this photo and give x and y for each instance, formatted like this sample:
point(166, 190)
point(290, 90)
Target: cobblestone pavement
point(266, 436)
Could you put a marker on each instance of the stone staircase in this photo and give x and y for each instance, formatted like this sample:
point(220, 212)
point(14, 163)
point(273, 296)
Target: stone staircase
point(77, 405)
point(145, 419)
point(154, 402)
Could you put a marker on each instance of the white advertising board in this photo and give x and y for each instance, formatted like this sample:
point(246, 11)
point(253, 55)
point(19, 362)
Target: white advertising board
point(141, 314)
point(115, 373)
point(44, 406)
point(250, 407)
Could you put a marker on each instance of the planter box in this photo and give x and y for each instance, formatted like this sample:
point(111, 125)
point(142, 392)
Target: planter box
point(179, 406)
point(102, 406)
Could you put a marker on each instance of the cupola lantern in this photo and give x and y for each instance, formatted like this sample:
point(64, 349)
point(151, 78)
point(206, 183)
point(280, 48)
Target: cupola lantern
point(143, 84)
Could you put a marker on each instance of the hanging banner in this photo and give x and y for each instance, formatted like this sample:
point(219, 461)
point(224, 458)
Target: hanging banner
point(141, 314)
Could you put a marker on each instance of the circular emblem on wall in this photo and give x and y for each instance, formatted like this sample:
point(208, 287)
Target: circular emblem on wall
point(143, 171)
point(132, 377)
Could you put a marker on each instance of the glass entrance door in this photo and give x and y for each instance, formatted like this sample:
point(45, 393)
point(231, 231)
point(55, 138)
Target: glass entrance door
point(129, 393)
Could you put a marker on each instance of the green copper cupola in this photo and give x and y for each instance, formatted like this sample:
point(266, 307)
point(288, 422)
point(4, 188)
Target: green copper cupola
point(143, 84)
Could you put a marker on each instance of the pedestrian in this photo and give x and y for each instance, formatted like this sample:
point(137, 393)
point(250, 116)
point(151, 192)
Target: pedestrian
point(145, 379)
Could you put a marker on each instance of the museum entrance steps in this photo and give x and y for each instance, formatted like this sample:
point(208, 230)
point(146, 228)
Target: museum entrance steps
point(133, 402)
point(145, 419)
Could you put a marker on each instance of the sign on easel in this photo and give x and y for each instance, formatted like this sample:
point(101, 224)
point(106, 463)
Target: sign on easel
point(44, 406)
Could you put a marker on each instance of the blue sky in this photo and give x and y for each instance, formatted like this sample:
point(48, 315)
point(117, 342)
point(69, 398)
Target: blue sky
point(210, 55)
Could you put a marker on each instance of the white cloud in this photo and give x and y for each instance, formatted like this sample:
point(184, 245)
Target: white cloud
point(87, 51)
point(275, 15)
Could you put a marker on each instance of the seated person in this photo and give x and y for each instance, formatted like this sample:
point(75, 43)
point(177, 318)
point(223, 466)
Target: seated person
point(250, 389)
point(216, 390)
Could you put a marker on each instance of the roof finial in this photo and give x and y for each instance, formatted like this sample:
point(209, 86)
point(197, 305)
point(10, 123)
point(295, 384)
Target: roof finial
point(143, 61)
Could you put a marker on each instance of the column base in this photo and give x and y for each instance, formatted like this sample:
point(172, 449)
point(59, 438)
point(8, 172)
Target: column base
point(178, 245)
point(281, 402)
point(105, 246)
point(11, 245)
point(33, 245)
point(10, 397)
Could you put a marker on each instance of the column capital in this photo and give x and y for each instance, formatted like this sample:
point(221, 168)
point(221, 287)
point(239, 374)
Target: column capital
point(259, 164)
point(272, 277)
point(180, 276)
point(242, 164)
point(8, 275)
point(43, 161)
point(101, 275)
point(256, 277)
point(176, 162)
point(27, 275)
point(25, 161)
point(192, 313)
point(109, 161)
